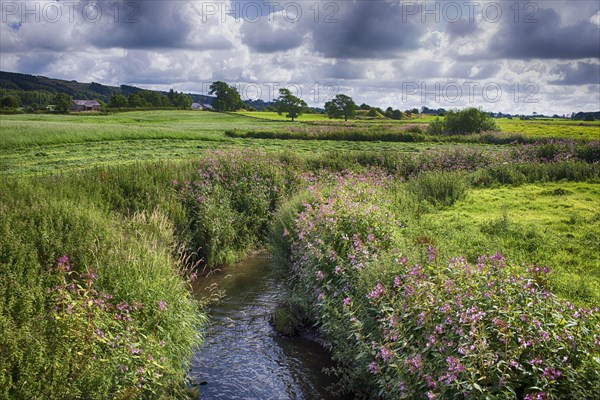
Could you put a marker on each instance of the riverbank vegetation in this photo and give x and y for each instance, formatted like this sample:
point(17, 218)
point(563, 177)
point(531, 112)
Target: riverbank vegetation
point(94, 302)
point(369, 259)
point(431, 270)
point(404, 322)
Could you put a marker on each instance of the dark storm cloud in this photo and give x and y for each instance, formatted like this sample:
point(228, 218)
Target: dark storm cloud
point(367, 29)
point(581, 74)
point(140, 25)
point(339, 29)
point(546, 38)
point(267, 39)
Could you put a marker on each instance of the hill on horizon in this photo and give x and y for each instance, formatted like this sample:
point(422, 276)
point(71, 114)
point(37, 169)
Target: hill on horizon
point(86, 91)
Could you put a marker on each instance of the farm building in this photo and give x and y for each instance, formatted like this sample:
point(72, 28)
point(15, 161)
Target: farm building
point(85, 105)
point(201, 106)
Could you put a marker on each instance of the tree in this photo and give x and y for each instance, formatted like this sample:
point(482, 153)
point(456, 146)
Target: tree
point(388, 112)
point(62, 102)
point(341, 106)
point(290, 104)
point(10, 101)
point(396, 114)
point(228, 98)
point(182, 101)
point(136, 100)
point(117, 100)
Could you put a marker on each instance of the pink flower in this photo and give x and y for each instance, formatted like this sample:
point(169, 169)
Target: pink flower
point(319, 275)
point(386, 354)
point(431, 253)
point(376, 292)
point(162, 305)
point(373, 368)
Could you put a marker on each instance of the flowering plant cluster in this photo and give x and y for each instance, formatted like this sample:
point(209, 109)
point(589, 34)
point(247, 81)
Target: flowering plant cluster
point(232, 200)
point(432, 330)
point(466, 158)
point(557, 150)
point(488, 329)
point(120, 351)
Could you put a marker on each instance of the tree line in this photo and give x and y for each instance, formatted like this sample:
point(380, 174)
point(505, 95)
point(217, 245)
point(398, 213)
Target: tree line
point(150, 99)
point(227, 98)
point(32, 101)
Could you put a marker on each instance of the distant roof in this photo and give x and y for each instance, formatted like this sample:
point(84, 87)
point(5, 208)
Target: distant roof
point(206, 105)
point(87, 103)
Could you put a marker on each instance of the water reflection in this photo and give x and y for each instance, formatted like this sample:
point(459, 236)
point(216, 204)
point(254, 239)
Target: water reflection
point(242, 357)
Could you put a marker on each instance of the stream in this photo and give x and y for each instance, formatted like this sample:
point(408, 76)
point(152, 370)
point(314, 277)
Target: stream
point(242, 357)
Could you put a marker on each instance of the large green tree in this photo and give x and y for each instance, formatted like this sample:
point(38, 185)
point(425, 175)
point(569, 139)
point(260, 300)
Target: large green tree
point(10, 101)
point(342, 106)
point(228, 98)
point(289, 104)
point(62, 102)
point(117, 100)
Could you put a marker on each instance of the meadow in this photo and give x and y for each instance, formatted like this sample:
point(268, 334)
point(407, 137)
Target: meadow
point(104, 218)
point(42, 143)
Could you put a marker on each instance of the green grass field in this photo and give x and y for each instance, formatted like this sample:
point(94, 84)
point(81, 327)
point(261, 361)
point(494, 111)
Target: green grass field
point(45, 143)
point(567, 129)
point(550, 224)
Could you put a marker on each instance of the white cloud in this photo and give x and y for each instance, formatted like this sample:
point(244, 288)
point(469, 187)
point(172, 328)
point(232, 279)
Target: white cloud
point(372, 51)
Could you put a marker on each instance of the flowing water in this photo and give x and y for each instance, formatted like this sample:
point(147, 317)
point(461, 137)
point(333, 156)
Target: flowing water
point(242, 357)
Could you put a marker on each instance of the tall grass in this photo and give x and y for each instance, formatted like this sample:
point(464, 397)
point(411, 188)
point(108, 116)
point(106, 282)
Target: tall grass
point(413, 133)
point(94, 304)
point(231, 201)
point(439, 188)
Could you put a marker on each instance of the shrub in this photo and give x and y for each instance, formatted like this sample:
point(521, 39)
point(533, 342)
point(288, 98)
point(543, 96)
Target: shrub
point(589, 152)
point(437, 127)
point(486, 330)
point(460, 122)
point(10, 101)
point(334, 236)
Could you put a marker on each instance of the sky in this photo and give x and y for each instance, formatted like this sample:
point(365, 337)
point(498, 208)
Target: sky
point(510, 56)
